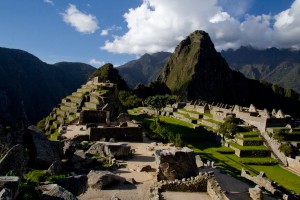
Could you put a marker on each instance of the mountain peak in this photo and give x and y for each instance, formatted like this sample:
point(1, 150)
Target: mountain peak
point(197, 71)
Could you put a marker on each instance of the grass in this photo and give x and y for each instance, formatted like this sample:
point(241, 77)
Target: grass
point(250, 138)
point(208, 115)
point(192, 111)
point(249, 148)
point(212, 121)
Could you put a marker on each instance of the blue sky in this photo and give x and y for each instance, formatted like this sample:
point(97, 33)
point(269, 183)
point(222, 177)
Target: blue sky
point(117, 31)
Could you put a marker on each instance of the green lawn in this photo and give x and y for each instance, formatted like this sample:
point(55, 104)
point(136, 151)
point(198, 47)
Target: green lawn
point(223, 157)
point(262, 147)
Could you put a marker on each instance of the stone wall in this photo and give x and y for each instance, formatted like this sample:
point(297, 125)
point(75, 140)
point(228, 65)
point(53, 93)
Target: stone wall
point(215, 191)
point(249, 142)
point(209, 124)
point(263, 181)
point(251, 153)
point(92, 116)
point(274, 145)
point(192, 184)
point(259, 122)
point(132, 134)
point(294, 164)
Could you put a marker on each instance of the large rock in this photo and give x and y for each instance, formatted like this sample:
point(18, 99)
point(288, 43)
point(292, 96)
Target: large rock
point(109, 149)
point(69, 147)
point(74, 184)
point(55, 192)
point(96, 149)
point(55, 168)
point(117, 150)
point(6, 194)
point(103, 179)
point(41, 153)
point(11, 183)
point(256, 193)
point(14, 160)
point(175, 164)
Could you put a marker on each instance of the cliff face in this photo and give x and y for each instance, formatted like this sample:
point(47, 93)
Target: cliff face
point(197, 71)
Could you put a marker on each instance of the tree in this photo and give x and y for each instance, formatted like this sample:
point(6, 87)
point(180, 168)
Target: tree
point(129, 99)
point(230, 126)
point(159, 102)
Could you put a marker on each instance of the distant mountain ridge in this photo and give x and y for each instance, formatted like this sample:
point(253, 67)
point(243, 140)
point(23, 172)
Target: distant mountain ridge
point(197, 71)
point(278, 66)
point(30, 88)
point(145, 69)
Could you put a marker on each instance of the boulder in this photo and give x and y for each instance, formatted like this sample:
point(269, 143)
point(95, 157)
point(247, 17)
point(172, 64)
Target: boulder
point(11, 183)
point(96, 149)
point(69, 147)
point(14, 160)
point(55, 168)
point(256, 193)
point(78, 156)
point(74, 184)
point(103, 179)
point(41, 153)
point(109, 149)
point(116, 150)
point(175, 164)
point(6, 194)
point(55, 192)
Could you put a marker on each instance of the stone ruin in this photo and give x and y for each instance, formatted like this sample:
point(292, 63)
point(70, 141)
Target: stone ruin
point(175, 164)
point(177, 171)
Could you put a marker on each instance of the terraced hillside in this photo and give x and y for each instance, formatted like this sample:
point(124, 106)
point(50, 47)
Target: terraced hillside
point(91, 96)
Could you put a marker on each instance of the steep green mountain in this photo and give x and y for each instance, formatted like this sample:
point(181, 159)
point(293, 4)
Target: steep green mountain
point(108, 73)
point(145, 69)
point(278, 66)
point(197, 71)
point(30, 88)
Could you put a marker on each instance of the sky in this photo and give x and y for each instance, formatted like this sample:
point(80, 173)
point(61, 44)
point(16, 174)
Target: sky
point(117, 31)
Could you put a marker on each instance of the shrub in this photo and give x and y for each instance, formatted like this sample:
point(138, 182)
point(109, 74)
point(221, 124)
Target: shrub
point(286, 148)
point(27, 191)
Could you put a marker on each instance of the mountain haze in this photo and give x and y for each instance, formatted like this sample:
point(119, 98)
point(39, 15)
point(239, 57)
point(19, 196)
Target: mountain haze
point(278, 66)
point(30, 88)
point(145, 69)
point(197, 71)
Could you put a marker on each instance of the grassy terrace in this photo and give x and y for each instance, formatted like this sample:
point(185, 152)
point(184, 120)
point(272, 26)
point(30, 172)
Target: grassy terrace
point(212, 121)
point(224, 157)
point(262, 147)
point(249, 138)
point(191, 111)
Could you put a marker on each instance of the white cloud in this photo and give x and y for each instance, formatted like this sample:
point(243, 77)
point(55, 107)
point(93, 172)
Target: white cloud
point(49, 2)
point(106, 31)
point(96, 63)
point(84, 23)
point(158, 25)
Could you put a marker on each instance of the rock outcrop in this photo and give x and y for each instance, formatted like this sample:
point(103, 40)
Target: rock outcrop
point(55, 192)
point(109, 149)
point(9, 186)
point(175, 164)
point(14, 160)
point(103, 179)
point(41, 151)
